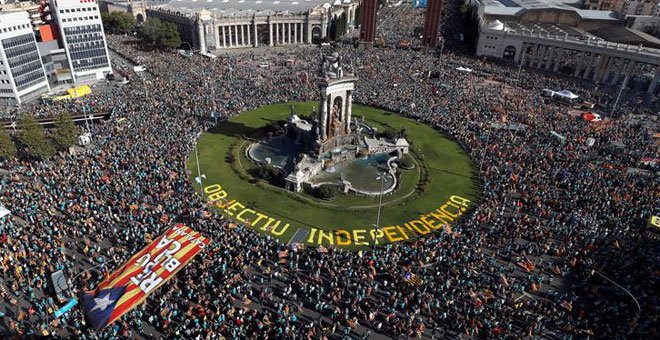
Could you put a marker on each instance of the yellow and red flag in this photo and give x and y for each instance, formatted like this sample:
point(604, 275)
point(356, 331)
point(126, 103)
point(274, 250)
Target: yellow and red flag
point(147, 270)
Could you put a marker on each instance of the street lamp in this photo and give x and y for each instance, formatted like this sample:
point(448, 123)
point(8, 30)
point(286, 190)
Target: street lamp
point(73, 279)
point(625, 82)
point(381, 177)
point(199, 173)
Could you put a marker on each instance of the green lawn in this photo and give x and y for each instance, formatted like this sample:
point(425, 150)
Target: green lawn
point(447, 166)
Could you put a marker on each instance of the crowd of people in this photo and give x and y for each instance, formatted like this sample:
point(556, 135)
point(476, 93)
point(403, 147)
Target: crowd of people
point(557, 233)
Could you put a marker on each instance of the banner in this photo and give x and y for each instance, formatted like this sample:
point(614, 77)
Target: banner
point(419, 3)
point(147, 270)
point(65, 308)
point(60, 286)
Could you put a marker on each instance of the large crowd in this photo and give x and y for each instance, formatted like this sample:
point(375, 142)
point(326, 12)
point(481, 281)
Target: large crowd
point(557, 223)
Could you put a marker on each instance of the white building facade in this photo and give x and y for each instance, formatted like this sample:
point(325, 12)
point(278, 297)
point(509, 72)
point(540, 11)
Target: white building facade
point(556, 37)
point(81, 31)
point(22, 76)
point(222, 24)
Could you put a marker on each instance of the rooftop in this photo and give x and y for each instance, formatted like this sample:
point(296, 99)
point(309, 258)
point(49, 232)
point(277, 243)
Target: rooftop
point(519, 7)
point(243, 7)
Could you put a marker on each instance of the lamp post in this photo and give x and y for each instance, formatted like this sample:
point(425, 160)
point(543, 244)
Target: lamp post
point(625, 81)
point(73, 279)
point(639, 308)
point(522, 61)
point(199, 173)
point(380, 177)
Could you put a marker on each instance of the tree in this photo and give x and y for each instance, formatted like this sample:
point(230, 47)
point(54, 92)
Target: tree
point(406, 163)
point(333, 29)
point(66, 132)
point(118, 22)
point(326, 192)
point(160, 34)
point(7, 147)
point(32, 140)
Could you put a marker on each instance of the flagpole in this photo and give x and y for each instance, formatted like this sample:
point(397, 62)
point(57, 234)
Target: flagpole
point(85, 271)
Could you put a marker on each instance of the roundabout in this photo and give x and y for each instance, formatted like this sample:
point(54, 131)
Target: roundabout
point(433, 190)
point(330, 173)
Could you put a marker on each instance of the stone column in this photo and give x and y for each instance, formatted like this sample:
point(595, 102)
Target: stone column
point(288, 30)
point(224, 39)
point(309, 31)
point(543, 56)
point(202, 36)
point(249, 34)
point(216, 35)
point(588, 65)
point(578, 66)
point(620, 68)
point(295, 33)
point(256, 34)
point(598, 66)
point(654, 83)
point(349, 110)
point(242, 28)
point(608, 69)
point(532, 55)
point(277, 33)
point(323, 106)
point(561, 54)
point(270, 33)
point(302, 33)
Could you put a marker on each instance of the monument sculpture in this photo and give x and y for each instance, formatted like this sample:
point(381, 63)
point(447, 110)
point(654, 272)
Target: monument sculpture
point(333, 137)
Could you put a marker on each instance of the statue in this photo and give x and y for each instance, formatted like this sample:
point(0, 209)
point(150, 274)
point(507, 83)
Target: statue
point(331, 68)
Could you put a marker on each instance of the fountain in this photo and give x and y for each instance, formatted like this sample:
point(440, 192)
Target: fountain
point(334, 148)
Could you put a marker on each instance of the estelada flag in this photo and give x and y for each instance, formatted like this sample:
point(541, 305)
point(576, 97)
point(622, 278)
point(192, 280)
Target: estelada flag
point(141, 275)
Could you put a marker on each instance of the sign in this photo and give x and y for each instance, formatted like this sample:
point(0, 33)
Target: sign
point(59, 285)
point(72, 303)
point(147, 270)
point(439, 219)
point(654, 222)
point(419, 3)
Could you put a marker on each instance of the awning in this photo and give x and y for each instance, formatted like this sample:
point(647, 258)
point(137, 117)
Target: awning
point(566, 94)
point(591, 117)
point(4, 211)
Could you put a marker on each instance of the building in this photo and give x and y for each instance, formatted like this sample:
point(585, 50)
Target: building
point(212, 25)
point(83, 38)
point(22, 76)
point(368, 21)
point(555, 36)
point(432, 23)
point(627, 7)
point(137, 8)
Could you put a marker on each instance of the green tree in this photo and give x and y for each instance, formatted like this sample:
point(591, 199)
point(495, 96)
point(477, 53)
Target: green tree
point(7, 147)
point(326, 192)
point(66, 132)
point(333, 29)
point(159, 34)
point(32, 140)
point(118, 22)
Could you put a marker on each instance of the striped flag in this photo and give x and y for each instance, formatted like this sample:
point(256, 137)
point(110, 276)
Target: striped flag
point(412, 279)
point(147, 270)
